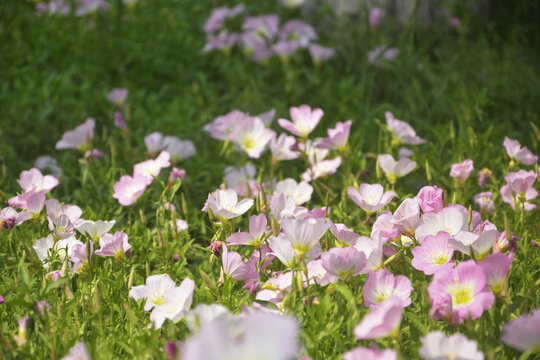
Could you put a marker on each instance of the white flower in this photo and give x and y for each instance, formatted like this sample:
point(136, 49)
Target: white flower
point(226, 205)
point(301, 192)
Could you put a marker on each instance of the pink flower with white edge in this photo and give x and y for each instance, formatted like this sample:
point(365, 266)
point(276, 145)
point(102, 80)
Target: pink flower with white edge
point(177, 302)
point(462, 171)
point(282, 148)
point(154, 142)
point(496, 267)
point(252, 136)
point(466, 286)
point(407, 216)
point(113, 245)
point(257, 230)
point(373, 249)
point(515, 201)
point(78, 138)
point(449, 219)
point(344, 262)
point(226, 205)
point(178, 149)
point(382, 321)
point(301, 192)
point(34, 205)
point(128, 189)
point(337, 138)
point(520, 182)
point(151, 168)
point(437, 346)
point(430, 199)
point(304, 120)
point(435, 254)
point(33, 179)
point(153, 291)
point(304, 234)
point(320, 53)
point(382, 285)
point(485, 202)
point(343, 233)
point(523, 333)
point(118, 96)
point(8, 218)
point(402, 130)
point(94, 229)
point(395, 169)
point(235, 268)
point(518, 153)
point(385, 227)
point(376, 15)
point(322, 168)
point(371, 197)
point(77, 352)
point(372, 353)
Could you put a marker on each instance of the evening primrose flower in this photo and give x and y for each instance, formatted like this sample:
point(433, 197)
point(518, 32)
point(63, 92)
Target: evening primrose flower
point(34, 180)
point(241, 179)
point(94, 229)
point(178, 149)
point(45, 246)
point(430, 199)
point(128, 189)
point(252, 136)
point(154, 142)
point(34, 205)
point(78, 138)
point(520, 182)
point(485, 202)
point(376, 15)
point(403, 132)
point(226, 206)
point(523, 333)
point(517, 201)
point(301, 192)
point(496, 267)
point(372, 353)
point(282, 147)
point(382, 285)
point(8, 218)
point(304, 120)
point(265, 26)
point(282, 206)
point(118, 96)
point(151, 168)
point(298, 31)
point(480, 244)
point(371, 197)
point(344, 262)
point(437, 346)
point(373, 249)
point(466, 287)
point(113, 245)
point(449, 219)
point(435, 254)
point(79, 256)
point(382, 321)
point(48, 162)
point(520, 154)
point(257, 230)
point(407, 216)
point(395, 169)
point(462, 171)
point(304, 234)
point(321, 53)
point(343, 233)
point(177, 302)
point(153, 291)
point(322, 168)
point(235, 267)
point(77, 352)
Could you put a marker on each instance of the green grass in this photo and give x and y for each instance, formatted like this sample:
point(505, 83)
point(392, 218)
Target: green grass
point(462, 91)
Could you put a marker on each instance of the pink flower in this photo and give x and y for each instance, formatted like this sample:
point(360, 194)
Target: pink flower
point(407, 216)
point(462, 171)
point(128, 189)
point(154, 142)
point(285, 48)
point(265, 26)
point(511, 198)
point(381, 321)
point(176, 173)
point(437, 346)
point(252, 137)
point(520, 182)
point(371, 197)
point(518, 153)
point(384, 52)
point(523, 333)
point(372, 353)
point(449, 219)
point(298, 31)
point(77, 352)
point(304, 120)
point(257, 230)
point(320, 53)
point(282, 147)
point(33, 179)
point(151, 168)
point(8, 218)
point(382, 285)
point(496, 267)
point(176, 303)
point(118, 96)
point(395, 169)
point(48, 162)
point(113, 245)
point(430, 199)
point(241, 179)
point(235, 268)
point(344, 262)
point(218, 16)
point(435, 254)
point(337, 138)
point(454, 22)
point(78, 138)
point(343, 233)
point(223, 41)
point(402, 130)
point(466, 286)
point(304, 234)
point(484, 176)
point(119, 121)
point(376, 15)
point(34, 205)
point(322, 168)
point(385, 227)
point(178, 149)
point(301, 192)
point(485, 202)
point(222, 126)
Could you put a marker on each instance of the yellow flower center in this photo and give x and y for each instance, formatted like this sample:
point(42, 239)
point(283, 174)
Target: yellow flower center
point(248, 142)
point(461, 294)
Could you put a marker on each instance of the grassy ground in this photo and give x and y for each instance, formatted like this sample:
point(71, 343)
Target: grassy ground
point(462, 89)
